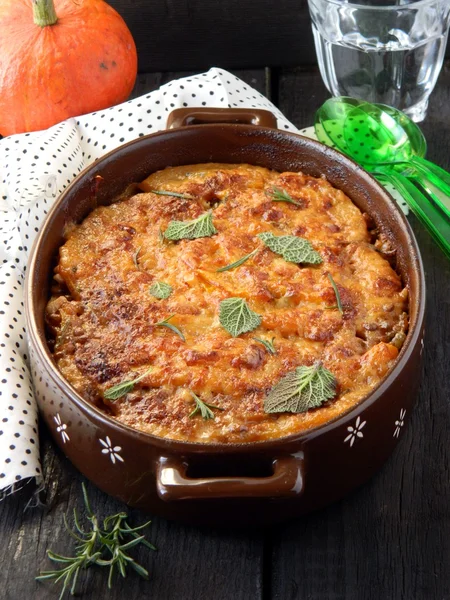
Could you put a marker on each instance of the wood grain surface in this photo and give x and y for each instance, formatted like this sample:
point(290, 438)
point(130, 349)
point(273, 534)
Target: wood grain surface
point(194, 34)
point(390, 539)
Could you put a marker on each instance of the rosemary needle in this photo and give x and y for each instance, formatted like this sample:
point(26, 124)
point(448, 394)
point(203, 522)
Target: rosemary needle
point(238, 262)
point(336, 293)
point(173, 328)
point(174, 194)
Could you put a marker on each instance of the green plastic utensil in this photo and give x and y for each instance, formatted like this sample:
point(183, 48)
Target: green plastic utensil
point(334, 128)
point(329, 125)
point(383, 135)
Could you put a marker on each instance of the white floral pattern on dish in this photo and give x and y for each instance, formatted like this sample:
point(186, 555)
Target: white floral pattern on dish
point(399, 422)
point(61, 428)
point(113, 451)
point(355, 431)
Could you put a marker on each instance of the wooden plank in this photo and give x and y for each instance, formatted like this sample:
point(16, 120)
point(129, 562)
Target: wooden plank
point(391, 538)
point(300, 92)
point(147, 82)
point(194, 34)
point(191, 563)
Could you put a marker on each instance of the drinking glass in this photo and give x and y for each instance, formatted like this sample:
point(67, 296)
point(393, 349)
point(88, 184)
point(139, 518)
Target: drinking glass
point(383, 51)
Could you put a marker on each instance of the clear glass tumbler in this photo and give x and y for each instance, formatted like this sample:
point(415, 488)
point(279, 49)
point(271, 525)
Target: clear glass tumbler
point(384, 51)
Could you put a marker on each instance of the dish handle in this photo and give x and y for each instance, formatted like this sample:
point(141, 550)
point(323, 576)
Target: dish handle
point(173, 482)
point(181, 117)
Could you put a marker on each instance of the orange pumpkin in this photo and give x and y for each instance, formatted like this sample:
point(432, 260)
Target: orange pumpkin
point(61, 59)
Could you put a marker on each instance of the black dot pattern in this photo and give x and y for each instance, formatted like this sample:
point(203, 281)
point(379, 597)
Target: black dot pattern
point(18, 413)
point(17, 427)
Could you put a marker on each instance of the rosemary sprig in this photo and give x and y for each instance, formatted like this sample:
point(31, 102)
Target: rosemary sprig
point(114, 531)
point(174, 194)
point(119, 390)
point(173, 328)
point(203, 408)
point(135, 257)
point(268, 345)
point(105, 546)
point(279, 195)
point(336, 293)
point(237, 263)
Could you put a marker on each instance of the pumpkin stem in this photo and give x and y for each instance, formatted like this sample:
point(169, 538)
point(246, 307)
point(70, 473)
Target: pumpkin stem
point(44, 12)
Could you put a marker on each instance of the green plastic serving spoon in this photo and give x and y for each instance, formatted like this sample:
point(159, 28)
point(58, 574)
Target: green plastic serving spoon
point(386, 136)
point(335, 126)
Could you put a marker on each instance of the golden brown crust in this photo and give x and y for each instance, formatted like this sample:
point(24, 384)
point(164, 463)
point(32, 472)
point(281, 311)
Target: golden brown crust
point(102, 316)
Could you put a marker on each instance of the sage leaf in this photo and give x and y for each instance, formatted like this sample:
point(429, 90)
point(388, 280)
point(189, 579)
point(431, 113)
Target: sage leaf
point(236, 316)
point(301, 389)
point(291, 248)
point(161, 290)
point(121, 389)
point(190, 230)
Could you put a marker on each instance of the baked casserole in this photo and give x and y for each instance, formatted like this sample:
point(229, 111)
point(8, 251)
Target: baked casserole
point(226, 303)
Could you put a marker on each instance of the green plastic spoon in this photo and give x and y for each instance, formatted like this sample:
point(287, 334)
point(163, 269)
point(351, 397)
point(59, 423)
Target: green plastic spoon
point(329, 125)
point(331, 129)
point(382, 135)
point(379, 135)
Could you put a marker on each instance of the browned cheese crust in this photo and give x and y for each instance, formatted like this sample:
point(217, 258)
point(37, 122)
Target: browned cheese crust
point(102, 317)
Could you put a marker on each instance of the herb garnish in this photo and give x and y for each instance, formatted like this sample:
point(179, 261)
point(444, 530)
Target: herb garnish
point(135, 257)
point(174, 194)
point(268, 345)
point(203, 408)
point(279, 195)
point(200, 227)
point(237, 317)
point(301, 389)
point(336, 293)
point(237, 263)
point(161, 290)
point(173, 328)
point(292, 248)
point(119, 390)
point(105, 547)
point(62, 332)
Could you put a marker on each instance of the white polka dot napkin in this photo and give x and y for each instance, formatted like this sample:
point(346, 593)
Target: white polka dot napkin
point(34, 169)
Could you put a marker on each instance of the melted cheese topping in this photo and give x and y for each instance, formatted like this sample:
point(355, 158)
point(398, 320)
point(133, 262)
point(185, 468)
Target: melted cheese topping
point(102, 317)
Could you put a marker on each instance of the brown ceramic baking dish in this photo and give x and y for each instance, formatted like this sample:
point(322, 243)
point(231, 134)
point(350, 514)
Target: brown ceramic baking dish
point(258, 482)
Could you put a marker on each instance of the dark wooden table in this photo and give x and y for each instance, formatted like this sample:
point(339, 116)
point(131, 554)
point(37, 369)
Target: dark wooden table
point(390, 539)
